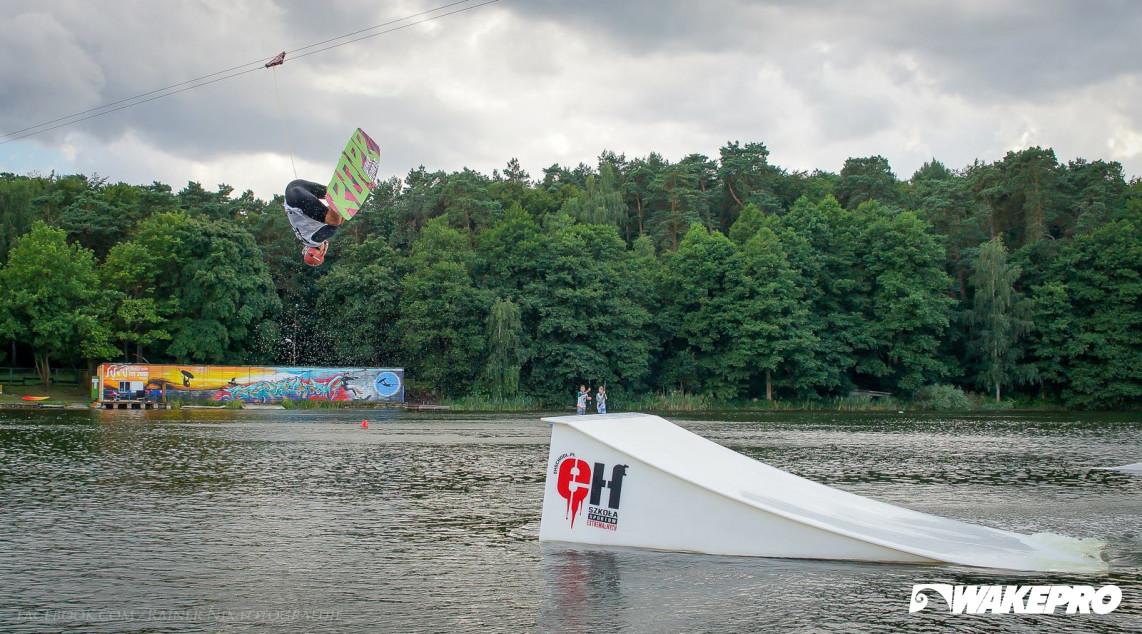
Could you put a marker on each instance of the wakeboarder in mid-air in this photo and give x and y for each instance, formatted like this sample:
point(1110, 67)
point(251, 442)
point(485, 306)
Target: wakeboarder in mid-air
point(313, 222)
point(316, 210)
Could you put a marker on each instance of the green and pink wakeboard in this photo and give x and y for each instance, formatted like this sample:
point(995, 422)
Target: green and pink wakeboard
point(355, 176)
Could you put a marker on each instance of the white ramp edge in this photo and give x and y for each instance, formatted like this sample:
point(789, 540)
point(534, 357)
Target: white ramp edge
point(637, 480)
point(1126, 468)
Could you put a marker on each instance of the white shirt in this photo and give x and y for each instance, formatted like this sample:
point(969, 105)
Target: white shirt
point(303, 226)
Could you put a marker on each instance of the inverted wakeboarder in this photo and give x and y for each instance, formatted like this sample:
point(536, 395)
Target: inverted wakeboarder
point(313, 223)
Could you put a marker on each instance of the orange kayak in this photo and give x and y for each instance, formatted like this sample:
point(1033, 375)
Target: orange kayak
point(36, 398)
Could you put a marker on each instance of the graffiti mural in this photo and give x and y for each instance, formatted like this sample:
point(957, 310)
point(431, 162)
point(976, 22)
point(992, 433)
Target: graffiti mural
point(294, 389)
point(249, 384)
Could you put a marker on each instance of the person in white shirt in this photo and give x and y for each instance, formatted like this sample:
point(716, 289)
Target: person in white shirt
point(313, 223)
point(581, 399)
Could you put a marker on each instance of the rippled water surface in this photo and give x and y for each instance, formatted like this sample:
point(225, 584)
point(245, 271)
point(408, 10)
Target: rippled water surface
point(270, 521)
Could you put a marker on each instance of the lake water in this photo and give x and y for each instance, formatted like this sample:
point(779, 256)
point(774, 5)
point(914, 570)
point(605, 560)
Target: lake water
point(269, 521)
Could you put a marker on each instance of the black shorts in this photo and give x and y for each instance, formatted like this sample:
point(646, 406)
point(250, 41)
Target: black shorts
point(324, 233)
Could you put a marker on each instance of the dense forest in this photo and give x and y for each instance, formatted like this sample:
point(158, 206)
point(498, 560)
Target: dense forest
point(727, 277)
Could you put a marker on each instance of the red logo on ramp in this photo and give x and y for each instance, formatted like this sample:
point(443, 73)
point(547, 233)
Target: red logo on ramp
point(576, 478)
point(573, 485)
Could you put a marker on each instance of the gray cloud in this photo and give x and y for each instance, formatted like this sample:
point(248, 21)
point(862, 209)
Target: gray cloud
point(554, 81)
point(62, 77)
point(984, 47)
point(1021, 50)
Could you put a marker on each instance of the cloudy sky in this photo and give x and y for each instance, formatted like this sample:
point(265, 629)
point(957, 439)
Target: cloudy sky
point(559, 81)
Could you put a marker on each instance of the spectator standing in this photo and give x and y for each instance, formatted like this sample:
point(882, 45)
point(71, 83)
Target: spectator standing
point(581, 402)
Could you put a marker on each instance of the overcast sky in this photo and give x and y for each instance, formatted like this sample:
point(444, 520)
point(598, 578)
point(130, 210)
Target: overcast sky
point(559, 81)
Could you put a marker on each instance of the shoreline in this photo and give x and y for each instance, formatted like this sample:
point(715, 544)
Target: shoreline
point(470, 409)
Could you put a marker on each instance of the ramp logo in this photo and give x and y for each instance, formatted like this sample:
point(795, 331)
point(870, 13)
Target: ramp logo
point(1018, 599)
point(578, 481)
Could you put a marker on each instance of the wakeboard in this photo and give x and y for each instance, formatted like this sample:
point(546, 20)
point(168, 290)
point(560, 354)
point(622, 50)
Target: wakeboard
point(355, 176)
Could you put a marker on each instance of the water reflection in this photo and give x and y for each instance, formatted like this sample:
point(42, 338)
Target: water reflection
point(621, 590)
point(583, 591)
point(430, 523)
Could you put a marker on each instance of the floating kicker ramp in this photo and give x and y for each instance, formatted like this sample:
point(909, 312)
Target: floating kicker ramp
point(1126, 468)
point(636, 480)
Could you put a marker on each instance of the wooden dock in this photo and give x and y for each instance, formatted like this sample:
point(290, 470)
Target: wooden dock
point(130, 405)
point(145, 404)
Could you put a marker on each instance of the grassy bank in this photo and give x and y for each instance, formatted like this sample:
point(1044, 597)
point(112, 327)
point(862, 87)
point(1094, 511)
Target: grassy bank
point(932, 398)
point(489, 404)
point(55, 393)
point(288, 404)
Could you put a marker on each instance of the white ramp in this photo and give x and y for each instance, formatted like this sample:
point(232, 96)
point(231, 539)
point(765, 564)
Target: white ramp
point(1126, 468)
point(640, 481)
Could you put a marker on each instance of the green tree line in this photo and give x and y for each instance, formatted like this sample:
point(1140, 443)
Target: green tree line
point(727, 277)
